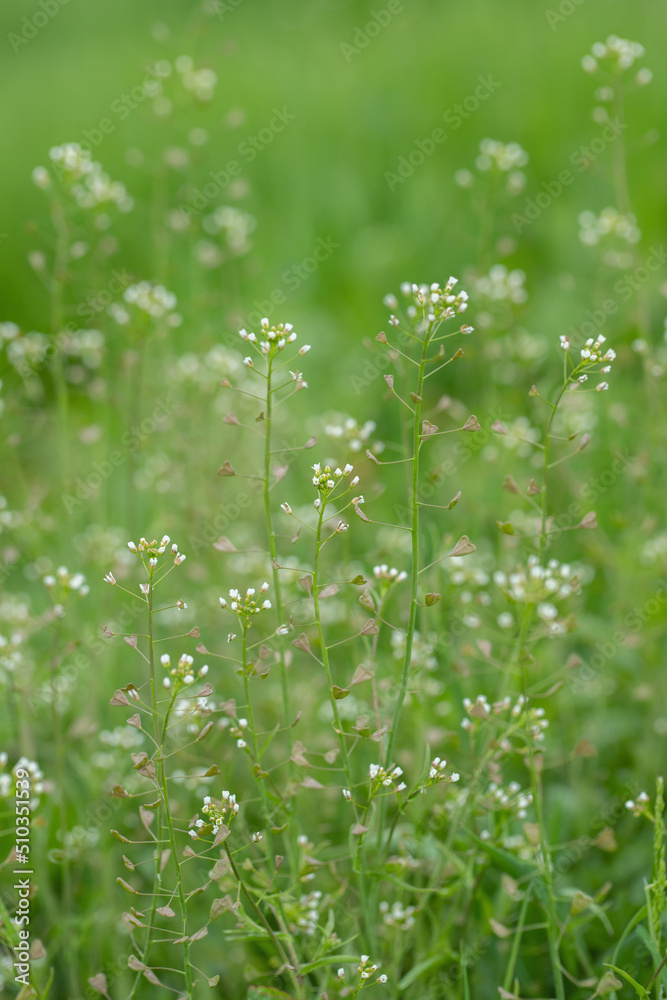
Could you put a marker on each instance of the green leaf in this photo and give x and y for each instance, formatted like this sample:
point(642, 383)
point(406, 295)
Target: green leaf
point(319, 963)
point(266, 992)
point(503, 860)
point(638, 917)
point(417, 970)
point(505, 527)
point(639, 989)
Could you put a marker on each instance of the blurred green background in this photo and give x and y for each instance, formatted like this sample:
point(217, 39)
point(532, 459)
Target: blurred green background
point(325, 173)
point(324, 178)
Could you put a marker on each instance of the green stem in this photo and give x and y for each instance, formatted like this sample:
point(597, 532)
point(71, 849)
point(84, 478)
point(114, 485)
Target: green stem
point(270, 931)
point(272, 538)
point(412, 619)
point(545, 471)
point(370, 926)
point(162, 784)
point(68, 894)
point(292, 841)
point(57, 323)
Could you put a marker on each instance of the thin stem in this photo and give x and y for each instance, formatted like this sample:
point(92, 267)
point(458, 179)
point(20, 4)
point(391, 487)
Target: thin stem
point(412, 619)
point(370, 928)
point(59, 219)
point(270, 931)
point(162, 784)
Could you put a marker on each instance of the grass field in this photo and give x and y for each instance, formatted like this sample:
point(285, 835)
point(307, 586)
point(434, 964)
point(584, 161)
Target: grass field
point(432, 764)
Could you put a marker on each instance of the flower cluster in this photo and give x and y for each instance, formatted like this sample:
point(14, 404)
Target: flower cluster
point(218, 814)
point(200, 82)
point(325, 480)
point(37, 784)
point(610, 222)
point(88, 183)
point(531, 720)
point(500, 284)
point(615, 54)
point(306, 913)
point(535, 583)
point(500, 155)
point(356, 435)
point(640, 806)
point(366, 972)
point(87, 346)
point(387, 576)
point(509, 799)
point(237, 731)
point(592, 354)
point(183, 672)
point(66, 582)
point(430, 303)
point(152, 551)
point(271, 340)
point(25, 352)
point(505, 158)
point(245, 607)
point(234, 225)
point(381, 777)
point(397, 915)
point(146, 300)
point(436, 774)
